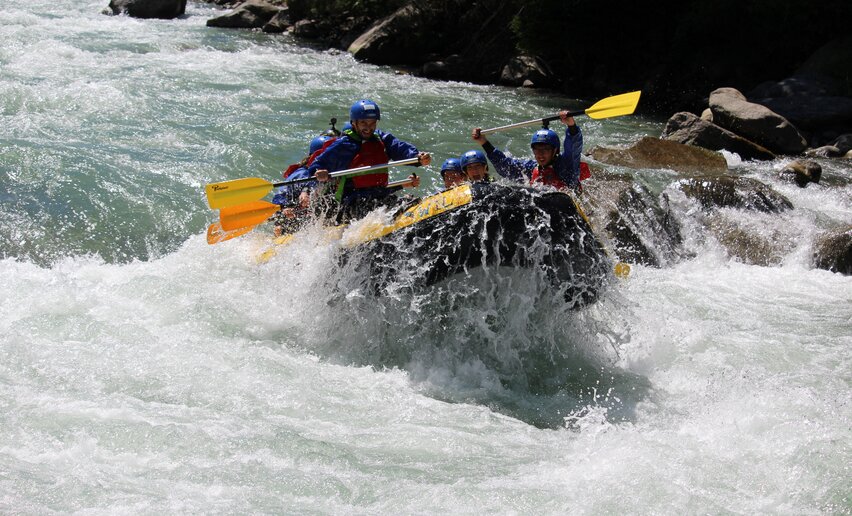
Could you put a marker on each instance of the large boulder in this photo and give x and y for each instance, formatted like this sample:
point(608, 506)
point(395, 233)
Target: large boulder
point(813, 113)
point(755, 122)
point(833, 251)
point(165, 9)
point(308, 29)
point(743, 193)
point(832, 60)
point(686, 128)
point(650, 152)
point(254, 14)
point(525, 68)
point(278, 23)
point(390, 40)
point(810, 84)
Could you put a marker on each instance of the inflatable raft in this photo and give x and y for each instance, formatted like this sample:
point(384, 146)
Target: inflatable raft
point(474, 225)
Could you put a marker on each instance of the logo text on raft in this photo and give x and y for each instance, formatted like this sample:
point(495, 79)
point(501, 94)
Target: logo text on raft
point(216, 188)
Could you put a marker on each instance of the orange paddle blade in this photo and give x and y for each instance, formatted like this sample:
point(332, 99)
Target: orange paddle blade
point(216, 234)
point(246, 215)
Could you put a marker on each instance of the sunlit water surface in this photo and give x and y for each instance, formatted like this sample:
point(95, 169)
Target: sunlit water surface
point(144, 371)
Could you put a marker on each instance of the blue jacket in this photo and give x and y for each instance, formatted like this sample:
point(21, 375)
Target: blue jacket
point(287, 195)
point(567, 163)
point(339, 155)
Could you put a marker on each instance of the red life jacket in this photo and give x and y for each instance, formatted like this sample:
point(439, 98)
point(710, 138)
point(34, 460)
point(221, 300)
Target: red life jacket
point(548, 176)
point(551, 178)
point(372, 153)
point(310, 159)
point(585, 171)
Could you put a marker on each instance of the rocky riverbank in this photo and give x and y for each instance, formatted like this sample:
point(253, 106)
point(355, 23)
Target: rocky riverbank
point(487, 42)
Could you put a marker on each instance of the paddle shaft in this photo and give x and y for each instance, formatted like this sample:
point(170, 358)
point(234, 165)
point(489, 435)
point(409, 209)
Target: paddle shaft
point(351, 171)
point(538, 121)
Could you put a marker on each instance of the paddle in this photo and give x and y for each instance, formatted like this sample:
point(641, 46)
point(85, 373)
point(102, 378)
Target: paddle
point(618, 105)
point(242, 218)
point(239, 191)
point(216, 234)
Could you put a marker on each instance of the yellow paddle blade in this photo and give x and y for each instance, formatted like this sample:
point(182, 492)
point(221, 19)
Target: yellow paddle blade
point(216, 234)
point(238, 191)
point(246, 215)
point(617, 105)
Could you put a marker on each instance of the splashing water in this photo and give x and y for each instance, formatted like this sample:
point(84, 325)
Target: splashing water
point(145, 371)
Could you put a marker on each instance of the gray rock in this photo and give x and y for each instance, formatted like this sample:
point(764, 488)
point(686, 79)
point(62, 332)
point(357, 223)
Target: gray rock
point(435, 70)
point(385, 42)
point(813, 113)
point(524, 68)
point(688, 129)
point(707, 116)
point(652, 152)
point(802, 172)
point(826, 151)
point(165, 9)
point(755, 122)
point(278, 23)
point(833, 251)
point(832, 60)
point(308, 29)
point(253, 14)
point(843, 143)
point(734, 192)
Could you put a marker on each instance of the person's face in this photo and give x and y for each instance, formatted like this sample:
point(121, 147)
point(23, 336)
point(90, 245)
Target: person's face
point(453, 178)
point(543, 154)
point(476, 171)
point(365, 128)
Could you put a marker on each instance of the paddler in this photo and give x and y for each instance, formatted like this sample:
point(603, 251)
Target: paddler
point(452, 173)
point(364, 145)
point(549, 166)
point(295, 199)
point(475, 166)
point(300, 195)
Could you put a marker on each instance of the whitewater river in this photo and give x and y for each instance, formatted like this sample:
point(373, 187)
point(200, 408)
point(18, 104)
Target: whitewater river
point(143, 371)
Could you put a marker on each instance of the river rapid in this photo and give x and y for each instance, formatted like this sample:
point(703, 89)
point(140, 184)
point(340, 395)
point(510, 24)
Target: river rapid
point(144, 371)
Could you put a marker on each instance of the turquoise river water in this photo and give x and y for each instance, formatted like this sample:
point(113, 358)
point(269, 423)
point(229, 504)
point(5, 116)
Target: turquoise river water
point(146, 372)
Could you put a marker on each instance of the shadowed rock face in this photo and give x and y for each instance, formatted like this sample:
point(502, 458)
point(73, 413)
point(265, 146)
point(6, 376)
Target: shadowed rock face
point(652, 152)
point(165, 9)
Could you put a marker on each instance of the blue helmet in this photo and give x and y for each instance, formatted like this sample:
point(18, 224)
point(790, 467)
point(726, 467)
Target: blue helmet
point(473, 156)
point(365, 110)
point(547, 136)
point(317, 143)
point(451, 165)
